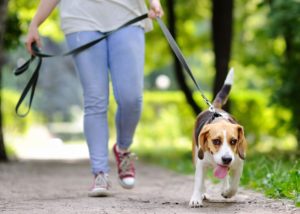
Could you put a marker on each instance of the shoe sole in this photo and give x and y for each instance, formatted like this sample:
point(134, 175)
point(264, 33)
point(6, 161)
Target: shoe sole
point(99, 193)
point(125, 186)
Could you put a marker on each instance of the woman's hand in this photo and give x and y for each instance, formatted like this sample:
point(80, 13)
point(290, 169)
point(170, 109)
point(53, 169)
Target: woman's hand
point(32, 37)
point(44, 10)
point(155, 9)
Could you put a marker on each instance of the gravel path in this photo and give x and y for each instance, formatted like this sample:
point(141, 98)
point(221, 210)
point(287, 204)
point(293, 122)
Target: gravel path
point(61, 187)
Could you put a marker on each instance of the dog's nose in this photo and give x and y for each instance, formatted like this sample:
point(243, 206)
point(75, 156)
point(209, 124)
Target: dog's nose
point(226, 160)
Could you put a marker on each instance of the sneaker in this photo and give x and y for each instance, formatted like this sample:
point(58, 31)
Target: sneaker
point(126, 168)
point(100, 186)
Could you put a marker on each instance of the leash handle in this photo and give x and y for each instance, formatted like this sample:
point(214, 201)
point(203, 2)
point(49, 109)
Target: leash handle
point(37, 54)
point(31, 85)
point(182, 60)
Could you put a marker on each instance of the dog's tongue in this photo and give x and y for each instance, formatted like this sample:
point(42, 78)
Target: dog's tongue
point(220, 171)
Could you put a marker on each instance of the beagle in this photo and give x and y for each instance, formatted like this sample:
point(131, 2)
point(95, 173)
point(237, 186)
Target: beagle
point(219, 143)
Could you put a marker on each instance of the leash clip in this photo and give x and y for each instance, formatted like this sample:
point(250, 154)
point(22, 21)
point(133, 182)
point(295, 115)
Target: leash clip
point(215, 113)
point(212, 109)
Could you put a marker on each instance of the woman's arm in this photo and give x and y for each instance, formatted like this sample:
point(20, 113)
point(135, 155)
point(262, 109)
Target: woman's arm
point(155, 9)
point(44, 10)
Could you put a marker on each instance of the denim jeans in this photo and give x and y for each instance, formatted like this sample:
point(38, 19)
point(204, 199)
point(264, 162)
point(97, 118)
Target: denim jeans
point(120, 57)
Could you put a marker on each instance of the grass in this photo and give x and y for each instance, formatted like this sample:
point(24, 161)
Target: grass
point(277, 175)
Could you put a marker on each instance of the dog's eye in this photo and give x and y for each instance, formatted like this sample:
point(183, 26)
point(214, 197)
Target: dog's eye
point(233, 141)
point(216, 142)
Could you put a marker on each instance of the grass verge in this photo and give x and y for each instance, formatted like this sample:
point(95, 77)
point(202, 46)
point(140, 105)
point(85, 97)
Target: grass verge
point(277, 175)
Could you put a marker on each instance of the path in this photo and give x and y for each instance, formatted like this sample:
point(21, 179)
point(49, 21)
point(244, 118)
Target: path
point(60, 187)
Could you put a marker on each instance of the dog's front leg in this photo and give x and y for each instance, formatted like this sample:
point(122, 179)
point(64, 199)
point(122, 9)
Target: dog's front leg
point(234, 182)
point(199, 188)
point(225, 183)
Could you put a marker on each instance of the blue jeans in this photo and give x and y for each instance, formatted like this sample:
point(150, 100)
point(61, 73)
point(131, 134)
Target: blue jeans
point(122, 56)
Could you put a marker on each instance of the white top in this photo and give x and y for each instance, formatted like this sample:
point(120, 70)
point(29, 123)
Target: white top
point(100, 15)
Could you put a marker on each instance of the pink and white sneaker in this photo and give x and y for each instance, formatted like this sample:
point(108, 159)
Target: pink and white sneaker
point(100, 186)
point(126, 168)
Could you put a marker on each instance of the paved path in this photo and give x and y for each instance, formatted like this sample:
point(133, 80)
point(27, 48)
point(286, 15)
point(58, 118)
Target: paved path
point(61, 187)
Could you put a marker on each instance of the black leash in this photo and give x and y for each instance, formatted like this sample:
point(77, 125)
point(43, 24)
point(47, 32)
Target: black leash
point(37, 54)
point(31, 85)
point(184, 64)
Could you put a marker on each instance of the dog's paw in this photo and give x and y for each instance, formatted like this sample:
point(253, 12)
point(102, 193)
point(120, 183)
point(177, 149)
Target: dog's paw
point(196, 201)
point(228, 193)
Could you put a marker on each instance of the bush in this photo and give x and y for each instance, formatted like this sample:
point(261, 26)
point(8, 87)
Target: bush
point(252, 110)
point(168, 120)
point(11, 122)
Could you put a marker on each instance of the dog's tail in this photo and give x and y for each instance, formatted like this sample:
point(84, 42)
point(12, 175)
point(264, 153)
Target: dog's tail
point(222, 96)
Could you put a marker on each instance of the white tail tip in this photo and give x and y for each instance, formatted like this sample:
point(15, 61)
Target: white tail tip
point(229, 78)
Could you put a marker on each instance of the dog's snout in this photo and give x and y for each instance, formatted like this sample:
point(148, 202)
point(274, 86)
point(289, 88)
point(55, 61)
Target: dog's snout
point(226, 160)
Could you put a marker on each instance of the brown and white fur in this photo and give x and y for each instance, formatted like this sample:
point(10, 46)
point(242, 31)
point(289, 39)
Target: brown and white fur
point(218, 142)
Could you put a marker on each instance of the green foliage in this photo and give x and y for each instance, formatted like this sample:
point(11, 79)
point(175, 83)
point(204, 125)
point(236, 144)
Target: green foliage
point(12, 31)
point(20, 13)
point(162, 112)
point(266, 50)
point(11, 122)
point(283, 17)
point(277, 175)
point(168, 120)
point(193, 37)
point(10, 151)
point(258, 118)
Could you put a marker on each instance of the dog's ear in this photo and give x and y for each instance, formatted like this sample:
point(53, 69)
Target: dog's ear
point(242, 143)
point(202, 138)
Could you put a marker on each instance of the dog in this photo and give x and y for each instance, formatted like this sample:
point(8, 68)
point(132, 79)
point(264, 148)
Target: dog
point(218, 142)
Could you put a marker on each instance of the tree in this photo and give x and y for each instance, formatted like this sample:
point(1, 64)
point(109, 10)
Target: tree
point(221, 38)
point(178, 69)
point(3, 10)
point(284, 21)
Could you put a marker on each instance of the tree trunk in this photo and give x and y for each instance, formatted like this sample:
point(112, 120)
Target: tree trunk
point(3, 9)
point(298, 138)
point(178, 69)
point(221, 36)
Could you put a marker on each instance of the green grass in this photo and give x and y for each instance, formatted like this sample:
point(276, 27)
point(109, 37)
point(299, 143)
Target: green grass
point(276, 175)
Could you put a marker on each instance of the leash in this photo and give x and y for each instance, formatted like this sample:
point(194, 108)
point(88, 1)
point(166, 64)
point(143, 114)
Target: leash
point(37, 54)
point(184, 64)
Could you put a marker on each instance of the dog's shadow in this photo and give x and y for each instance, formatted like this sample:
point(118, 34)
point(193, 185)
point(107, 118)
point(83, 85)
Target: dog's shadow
point(219, 201)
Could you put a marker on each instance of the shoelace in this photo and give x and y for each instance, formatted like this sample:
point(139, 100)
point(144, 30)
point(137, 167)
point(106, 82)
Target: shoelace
point(102, 181)
point(126, 164)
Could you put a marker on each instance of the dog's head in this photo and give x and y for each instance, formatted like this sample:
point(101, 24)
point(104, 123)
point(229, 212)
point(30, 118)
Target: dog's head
point(224, 140)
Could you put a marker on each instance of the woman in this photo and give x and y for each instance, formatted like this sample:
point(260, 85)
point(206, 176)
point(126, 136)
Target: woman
point(120, 55)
